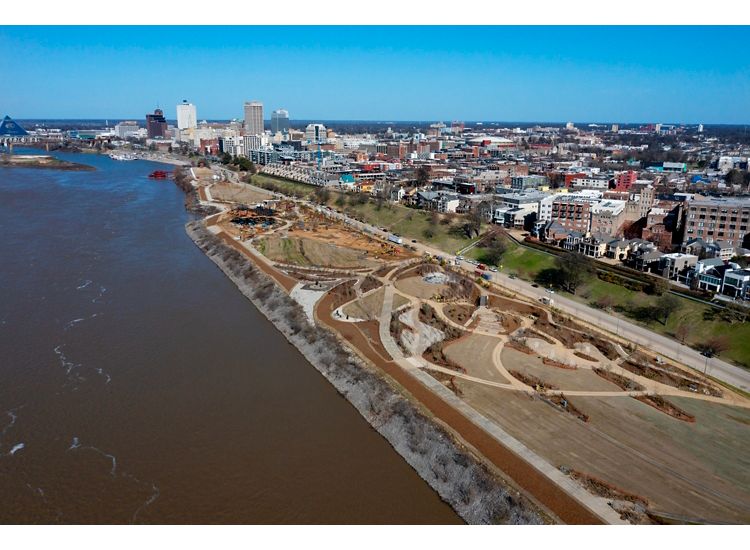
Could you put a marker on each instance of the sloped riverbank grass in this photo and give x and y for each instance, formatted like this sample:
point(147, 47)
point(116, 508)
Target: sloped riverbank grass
point(460, 478)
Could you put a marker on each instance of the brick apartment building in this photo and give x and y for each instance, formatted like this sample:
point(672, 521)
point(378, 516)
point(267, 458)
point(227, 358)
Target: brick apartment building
point(625, 180)
point(573, 213)
point(718, 220)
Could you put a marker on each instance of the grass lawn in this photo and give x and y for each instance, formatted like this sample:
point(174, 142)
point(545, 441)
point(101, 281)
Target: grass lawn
point(521, 261)
point(285, 186)
point(409, 223)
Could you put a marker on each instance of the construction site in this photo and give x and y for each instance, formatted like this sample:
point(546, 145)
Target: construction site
point(630, 436)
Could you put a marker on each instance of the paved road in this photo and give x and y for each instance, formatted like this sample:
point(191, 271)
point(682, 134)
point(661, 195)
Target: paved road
point(721, 370)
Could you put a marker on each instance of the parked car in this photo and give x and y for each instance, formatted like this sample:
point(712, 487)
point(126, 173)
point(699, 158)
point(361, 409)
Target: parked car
point(549, 291)
point(535, 285)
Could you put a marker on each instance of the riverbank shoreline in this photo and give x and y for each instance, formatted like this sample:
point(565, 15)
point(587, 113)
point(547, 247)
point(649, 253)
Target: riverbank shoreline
point(461, 479)
point(42, 162)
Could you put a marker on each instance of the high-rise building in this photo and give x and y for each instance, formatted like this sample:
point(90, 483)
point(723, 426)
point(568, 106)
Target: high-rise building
point(126, 128)
point(187, 117)
point(280, 121)
point(315, 133)
point(156, 124)
point(253, 118)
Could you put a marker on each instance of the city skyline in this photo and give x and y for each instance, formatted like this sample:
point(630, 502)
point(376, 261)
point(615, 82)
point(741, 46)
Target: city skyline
point(634, 74)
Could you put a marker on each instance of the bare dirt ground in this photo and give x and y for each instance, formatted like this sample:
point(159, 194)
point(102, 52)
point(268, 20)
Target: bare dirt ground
point(367, 307)
point(315, 227)
point(474, 353)
point(237, 193)
point(636, 447)
point(564, 379)
point(417, 287)
point(311, 252)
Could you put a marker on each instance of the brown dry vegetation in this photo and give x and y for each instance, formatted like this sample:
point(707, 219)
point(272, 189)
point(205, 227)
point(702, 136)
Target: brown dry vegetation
point(446, 379)
point(557, 364)
point(370, 283)
point(563, 403)
point(623, 382)
point(658, 402)
point(662, 375)
point(459, 313)
point(569, 337)
point(533, 381)
point(601, 488)
point(518, 346)
point(343, 293)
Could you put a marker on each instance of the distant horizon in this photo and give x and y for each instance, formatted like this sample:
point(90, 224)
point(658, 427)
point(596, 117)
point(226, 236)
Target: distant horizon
point(447, 121)
point(376, 73)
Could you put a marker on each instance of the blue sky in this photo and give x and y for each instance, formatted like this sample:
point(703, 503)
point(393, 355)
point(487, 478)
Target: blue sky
point(596, 74)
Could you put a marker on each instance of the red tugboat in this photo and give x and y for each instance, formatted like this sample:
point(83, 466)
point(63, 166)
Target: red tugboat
point(159, 175)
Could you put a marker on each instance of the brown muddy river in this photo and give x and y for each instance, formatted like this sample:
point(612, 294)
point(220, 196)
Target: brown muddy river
point(138, 385)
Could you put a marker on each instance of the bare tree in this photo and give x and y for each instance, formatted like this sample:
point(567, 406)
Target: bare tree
point(665, 306)
point(573, 269)
point(681, 333)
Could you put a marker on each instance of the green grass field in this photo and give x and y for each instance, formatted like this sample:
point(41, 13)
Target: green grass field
point(518, 260)
point(285, 186)
point(409, 223)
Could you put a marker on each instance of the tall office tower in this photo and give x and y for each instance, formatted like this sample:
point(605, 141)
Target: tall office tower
point(156, 124)
point(315, 133)
point(280, 121)
point(187, 117)
point(253, 118)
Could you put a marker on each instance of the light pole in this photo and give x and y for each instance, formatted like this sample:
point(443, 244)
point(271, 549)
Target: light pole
point(705, 367)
